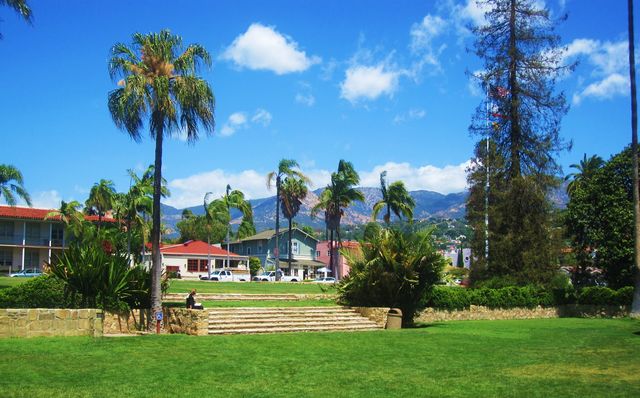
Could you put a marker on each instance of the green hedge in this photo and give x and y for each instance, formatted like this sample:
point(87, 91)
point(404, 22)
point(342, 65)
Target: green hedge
point(456, 298)
point(40, 292)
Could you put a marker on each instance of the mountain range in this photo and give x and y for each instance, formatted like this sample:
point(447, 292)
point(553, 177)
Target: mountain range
point(428, 204)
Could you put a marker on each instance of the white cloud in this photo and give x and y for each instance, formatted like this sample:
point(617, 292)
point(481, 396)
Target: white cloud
point(412, 114)
point(368, 82)
point(263, 48)
point(612, 85)
point(423, 33)
point(46, 199)
point(305, 99)
point(236, 121)
point(240, 121)
point(447, 179)
point(608, 61)
point(190, 191)
point(262, 117)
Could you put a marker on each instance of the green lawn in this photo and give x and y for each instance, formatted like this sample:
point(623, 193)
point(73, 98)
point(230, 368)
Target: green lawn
point(529, 358)
point(184, 286)
point(257, 303)
point(7, 282)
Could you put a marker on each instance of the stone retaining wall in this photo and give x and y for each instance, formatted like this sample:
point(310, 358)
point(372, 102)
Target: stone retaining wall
point(125, 323)
point(34, 322)
point(376, 314)
point(182, 320)
point(483, 313)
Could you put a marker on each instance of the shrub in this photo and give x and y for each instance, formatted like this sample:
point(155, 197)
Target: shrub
point(395, 269)
point(40, 292)
point(597, 295)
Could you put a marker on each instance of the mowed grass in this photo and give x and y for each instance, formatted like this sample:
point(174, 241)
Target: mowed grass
point(185, 286)
point(7, 282)
point(527, 358)
point(259, 303)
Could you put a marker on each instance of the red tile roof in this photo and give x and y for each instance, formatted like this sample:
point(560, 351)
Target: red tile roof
point(30, 213)
point(195, 247)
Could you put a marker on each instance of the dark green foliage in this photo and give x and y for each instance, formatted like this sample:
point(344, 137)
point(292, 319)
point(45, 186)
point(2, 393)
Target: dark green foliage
point(41, 292)
point(599, 219)
point(395, 269)
point(455, 298)
point(597, 295)
point(197, 228)
point(254, 265)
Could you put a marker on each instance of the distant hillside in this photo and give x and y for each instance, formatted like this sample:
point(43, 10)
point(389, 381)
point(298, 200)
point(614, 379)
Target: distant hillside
point(428, 204)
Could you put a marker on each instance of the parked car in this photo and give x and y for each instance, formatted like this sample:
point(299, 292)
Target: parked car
point(326, 279)
point(27, 273)
point(270, 276)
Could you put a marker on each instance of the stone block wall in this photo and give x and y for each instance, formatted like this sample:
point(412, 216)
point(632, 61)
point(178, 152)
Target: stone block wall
point(376, 314)
point(35, 322)
point(125, 323)
point(182, 320)
point(483, 313)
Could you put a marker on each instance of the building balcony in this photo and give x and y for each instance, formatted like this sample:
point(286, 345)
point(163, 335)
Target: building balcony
point(39, 241)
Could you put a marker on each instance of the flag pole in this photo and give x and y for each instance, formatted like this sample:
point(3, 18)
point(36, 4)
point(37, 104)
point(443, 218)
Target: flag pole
point(486, 195)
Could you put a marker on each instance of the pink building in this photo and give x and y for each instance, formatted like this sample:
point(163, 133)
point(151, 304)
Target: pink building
point(322, 255)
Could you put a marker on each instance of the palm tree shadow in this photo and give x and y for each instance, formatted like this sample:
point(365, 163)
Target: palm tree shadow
point(637, 333)
point(426, 325)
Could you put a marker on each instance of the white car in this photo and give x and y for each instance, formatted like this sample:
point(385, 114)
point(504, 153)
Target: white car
point(27, 273)
point(326, 279)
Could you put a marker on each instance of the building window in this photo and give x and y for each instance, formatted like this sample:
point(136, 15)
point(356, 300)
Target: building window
point(248, 251)
point(328, 253)
point(31, 259)
point(6, 258)
point(259, 251)
point(295, 249)
point(192, 265)
point(317, 253)
point(6, 232)
point(173, 268)
point(203, 266)
point(57, 234)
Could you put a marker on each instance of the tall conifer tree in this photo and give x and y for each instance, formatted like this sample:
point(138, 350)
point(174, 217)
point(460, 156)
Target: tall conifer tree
point(521, 118)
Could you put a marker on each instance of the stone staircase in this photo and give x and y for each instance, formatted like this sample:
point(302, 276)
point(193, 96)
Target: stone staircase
point(244, 320)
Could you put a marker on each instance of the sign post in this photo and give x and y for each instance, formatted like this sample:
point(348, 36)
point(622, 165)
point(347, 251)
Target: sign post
point(158, 321)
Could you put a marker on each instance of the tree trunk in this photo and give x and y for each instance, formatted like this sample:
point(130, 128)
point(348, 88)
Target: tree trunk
point(635, 306)
point(331, 250)
point(290, 246)
point(277, 251)
point(156, 267)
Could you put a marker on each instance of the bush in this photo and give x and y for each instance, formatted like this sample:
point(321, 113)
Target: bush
point(40, 292)
point(597, 295)
point(455, 298)
point(396, 269)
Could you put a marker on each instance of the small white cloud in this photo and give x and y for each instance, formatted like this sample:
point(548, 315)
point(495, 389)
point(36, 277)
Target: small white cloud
point(236, 121)
point(612, 85)
point(412, 114)
point(263, 48)
point(305, 99)
point(368, 82)
point(423, 33)
point(262, 117)
point(46, 199)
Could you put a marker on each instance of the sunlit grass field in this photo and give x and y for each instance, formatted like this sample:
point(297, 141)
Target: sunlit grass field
point(526, 358)
point(185, 286)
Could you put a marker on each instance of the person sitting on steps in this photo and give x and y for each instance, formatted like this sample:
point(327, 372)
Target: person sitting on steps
point(191, 301)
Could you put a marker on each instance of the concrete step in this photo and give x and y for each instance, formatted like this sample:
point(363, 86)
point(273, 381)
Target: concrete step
point(235, 297)
point(342, 328)
point(276, 317)
point(278, 310)
point(290, 323)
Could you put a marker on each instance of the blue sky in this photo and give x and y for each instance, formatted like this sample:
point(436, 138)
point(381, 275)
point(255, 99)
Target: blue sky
point(379, 83)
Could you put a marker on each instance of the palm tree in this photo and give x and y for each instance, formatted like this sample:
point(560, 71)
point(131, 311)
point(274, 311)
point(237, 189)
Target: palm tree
point(160, 83)
point(292, 193)
point(585, 170)
point(101, 199)
point(286, 168)
point(69, 214)
point(397, 200)
point(338, 195)
point(635, 304)
point(21, 7)
point(220, 210)
point(8, 188)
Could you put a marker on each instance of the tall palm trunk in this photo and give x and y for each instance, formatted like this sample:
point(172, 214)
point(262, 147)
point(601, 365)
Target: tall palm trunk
point(277, 251)
point(156, 267)
point(290, 246)
point(635, 306)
